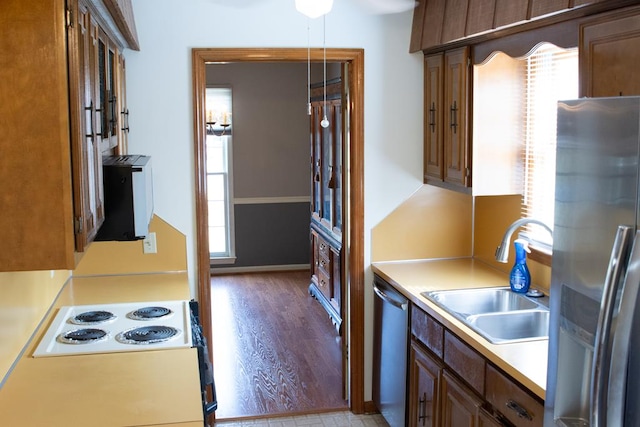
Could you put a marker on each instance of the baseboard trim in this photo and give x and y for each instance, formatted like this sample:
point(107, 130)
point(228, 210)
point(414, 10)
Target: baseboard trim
point(259, 269)
point(370, 407)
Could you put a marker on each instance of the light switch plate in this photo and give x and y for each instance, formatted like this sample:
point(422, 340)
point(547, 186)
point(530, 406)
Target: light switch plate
point(149, 244)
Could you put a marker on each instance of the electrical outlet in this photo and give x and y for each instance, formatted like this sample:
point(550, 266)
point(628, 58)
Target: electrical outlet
point(149, 244)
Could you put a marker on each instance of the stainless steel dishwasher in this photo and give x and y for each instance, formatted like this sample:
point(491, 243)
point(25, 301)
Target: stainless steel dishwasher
point(390, 349)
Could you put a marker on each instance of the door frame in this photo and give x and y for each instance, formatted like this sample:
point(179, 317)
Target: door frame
point(353, 237)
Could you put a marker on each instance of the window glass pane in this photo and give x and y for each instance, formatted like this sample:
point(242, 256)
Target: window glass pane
point(217, 240)
point(552, 75)
point(216, 187)
point(218, 159)
point(217, 216)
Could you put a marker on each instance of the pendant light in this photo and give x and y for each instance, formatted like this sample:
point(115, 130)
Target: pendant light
point(314, 8)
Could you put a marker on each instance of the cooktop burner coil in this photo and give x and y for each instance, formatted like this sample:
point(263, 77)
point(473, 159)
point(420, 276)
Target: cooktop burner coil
point(149, 313)
point(83, 336)
point(93, 317)
point(147, 335)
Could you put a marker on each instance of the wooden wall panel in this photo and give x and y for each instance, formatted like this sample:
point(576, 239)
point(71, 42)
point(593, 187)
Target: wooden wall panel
point(577, 3)
point(455, 18)
point(543, 7)
point(480, 16)
point(510, 11)
point(415, 44)
point(433, 21)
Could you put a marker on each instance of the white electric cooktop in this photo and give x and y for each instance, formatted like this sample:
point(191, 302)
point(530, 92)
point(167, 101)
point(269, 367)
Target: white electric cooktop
point(125, 327)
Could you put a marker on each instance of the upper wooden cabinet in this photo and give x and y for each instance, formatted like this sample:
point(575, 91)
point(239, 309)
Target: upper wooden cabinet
point(51, 200)
point(86, 122)
point(326, 157)
point(438, 22)
point(447, 153)
point(610, 55)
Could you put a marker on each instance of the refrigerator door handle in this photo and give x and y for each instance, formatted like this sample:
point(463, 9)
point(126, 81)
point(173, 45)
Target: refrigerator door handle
point(601, 361)
point(615, 409)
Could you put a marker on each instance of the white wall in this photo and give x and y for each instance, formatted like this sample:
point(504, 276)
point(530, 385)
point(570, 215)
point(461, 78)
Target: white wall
point(159, 98)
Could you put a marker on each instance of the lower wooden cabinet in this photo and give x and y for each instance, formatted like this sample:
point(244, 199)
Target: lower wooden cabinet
point(485, 419)
point(424, 381)
point(460, 405)
point(326, 276)
point(451, 384)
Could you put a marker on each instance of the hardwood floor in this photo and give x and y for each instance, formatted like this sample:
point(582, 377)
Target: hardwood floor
point(275, 350)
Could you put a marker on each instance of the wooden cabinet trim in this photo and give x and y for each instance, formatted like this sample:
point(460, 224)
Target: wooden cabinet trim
point(427, 331)
point(464, 361)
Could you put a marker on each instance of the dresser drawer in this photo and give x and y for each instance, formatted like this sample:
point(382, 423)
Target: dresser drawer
point(513, 402)
point(427, 331)
point(323, 247)
point(324, 263)
point(464, 361)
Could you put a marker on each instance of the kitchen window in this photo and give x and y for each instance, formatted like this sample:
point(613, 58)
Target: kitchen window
point(552, 75)
point(515, 107)
point(219, 161)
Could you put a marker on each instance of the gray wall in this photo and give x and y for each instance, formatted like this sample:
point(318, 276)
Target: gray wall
point(270, 161)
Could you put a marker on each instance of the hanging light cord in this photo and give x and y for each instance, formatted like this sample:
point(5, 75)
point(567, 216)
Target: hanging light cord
point(325, 122)
point(308, 71)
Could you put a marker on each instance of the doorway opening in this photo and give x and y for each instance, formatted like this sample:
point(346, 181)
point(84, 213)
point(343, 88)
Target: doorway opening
point(353, 234)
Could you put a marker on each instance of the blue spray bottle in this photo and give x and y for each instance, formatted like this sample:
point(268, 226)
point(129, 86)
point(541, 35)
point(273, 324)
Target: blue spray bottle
point(520, 278)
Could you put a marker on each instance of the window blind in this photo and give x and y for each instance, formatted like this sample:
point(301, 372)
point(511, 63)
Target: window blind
point(552, 75)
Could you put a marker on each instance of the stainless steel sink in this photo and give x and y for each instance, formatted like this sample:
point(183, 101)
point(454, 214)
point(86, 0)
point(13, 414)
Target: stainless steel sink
point(478, 301)
point(498, 314)
point(514, 326)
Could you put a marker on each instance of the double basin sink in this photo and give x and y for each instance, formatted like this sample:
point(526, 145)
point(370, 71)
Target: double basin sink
point(498, 314)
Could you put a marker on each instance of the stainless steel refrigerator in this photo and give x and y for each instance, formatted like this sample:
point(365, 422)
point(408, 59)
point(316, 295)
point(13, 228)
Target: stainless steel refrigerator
point(593, 374)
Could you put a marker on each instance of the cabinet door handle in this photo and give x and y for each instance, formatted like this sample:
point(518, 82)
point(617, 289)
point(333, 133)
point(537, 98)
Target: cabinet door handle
point(453, 116)
point(91, 123)
point(519, 410)
point(432, 117)
point(422, 409)
point(332, 180)
point(125, 120)
point(113, 119)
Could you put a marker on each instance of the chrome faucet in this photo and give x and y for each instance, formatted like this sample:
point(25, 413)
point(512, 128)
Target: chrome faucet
point(502, 251)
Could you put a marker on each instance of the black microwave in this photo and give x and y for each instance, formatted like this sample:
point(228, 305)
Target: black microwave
point(128, 197)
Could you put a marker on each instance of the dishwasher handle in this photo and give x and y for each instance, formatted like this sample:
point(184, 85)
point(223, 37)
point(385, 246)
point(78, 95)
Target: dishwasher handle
point(398, 304)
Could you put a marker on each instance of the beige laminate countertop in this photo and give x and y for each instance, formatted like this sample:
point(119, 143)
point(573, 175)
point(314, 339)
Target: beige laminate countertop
point(142, 388)
point(526, 362)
